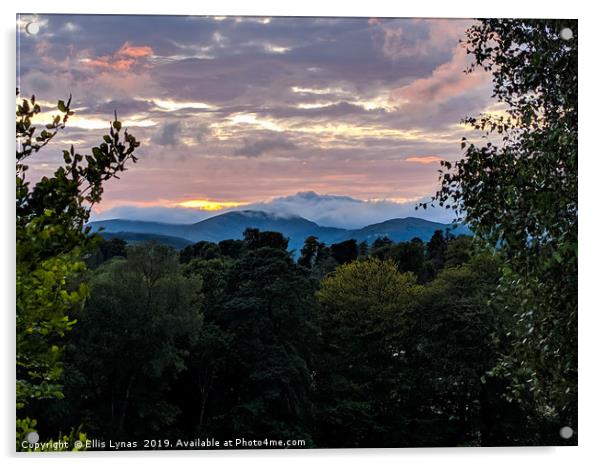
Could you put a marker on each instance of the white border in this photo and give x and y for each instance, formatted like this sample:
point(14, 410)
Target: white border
point(590, 232)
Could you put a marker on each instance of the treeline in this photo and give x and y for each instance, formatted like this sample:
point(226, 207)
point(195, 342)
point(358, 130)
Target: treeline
point(381, 345)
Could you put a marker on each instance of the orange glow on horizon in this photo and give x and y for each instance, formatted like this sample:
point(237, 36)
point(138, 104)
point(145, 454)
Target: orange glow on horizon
point(206, 204)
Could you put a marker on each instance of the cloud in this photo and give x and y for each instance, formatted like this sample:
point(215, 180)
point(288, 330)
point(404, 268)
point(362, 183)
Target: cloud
point(401, 39)
point(424, 159)
point(128, 50)
point(122, 60)
point(325, 210)
point(123, 107)
point(334, 105)
point(446, 81)
point(168, 134)
point(346, 211)
point(107, 62)
point(262, 146)
point(70, 27)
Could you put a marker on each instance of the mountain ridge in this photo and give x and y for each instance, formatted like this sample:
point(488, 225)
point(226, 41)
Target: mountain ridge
point(231, 225)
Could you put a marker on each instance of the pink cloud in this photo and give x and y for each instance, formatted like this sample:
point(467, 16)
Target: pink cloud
point(446, 81)
point(132, 51)
point(394, 37)
point(447, 31)
point(108, 63)
point(126, 57)
point(425, 159)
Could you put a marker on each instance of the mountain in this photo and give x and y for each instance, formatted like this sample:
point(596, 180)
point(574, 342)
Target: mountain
point(227, 226)
point(324, 209)
point(404, 229)
point(231, 225)
point(129, 237)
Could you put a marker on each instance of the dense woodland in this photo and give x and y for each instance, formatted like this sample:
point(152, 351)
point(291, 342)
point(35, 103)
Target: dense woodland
point(384, 348)
point(454, 341)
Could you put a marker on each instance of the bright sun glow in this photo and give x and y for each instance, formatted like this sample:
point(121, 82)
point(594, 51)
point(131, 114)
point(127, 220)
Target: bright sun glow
point(206, 204)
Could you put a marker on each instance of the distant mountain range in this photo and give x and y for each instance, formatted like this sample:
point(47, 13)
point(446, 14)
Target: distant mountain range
point(231, 225)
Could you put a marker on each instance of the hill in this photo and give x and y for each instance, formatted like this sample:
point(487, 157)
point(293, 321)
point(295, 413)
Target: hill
point(129, 237)
point(404, 229)
point(231, 225)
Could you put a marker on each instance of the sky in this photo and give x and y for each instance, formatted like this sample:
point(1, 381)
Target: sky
point(341, 120)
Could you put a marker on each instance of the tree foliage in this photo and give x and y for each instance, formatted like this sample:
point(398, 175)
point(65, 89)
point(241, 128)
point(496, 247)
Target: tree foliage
point(364, 313)
point(50, 218)
point(268, 314)
point(518, 191)
point(239, 340)
point(152, 304)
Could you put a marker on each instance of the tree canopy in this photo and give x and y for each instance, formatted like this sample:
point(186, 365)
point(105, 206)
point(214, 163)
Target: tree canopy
point(518, 192)
point(51, 241)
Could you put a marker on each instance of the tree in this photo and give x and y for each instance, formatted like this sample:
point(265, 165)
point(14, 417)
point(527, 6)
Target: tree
point(459, 250)
point(409, 256)
point(197, 391)
point(324, 263)
point(114, 247)
point(436, 248)
point(132, 340)
point(309, 252)
point(51, 241)
point(256, 239)
point(345, 251)
point(381, 247)
point(266, 312)
point(455, 339)
point(106, 250)
point(232, 248)
point(364, 315)
point(519, 193)
point(363, 249)
point(201, 250)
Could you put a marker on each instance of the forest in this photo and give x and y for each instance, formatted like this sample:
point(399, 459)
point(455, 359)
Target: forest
point(456, 341)
point(383, 347)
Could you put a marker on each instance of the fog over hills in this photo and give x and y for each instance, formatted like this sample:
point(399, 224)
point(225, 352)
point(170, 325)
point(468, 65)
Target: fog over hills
point(327, 210)
point(231, 225)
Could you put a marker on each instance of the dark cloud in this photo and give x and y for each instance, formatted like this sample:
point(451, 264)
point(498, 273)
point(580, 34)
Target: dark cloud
point(123, 107)
point(168, 134)
point(262, 146)
point(336, 110)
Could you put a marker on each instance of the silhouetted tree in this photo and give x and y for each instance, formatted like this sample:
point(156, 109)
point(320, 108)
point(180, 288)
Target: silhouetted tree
point(309, 252)
point(200, 250)
point(344, 252)
point(256, 239)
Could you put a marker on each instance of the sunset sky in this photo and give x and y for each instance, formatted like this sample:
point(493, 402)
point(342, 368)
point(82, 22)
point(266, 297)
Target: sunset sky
point(232, 112)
